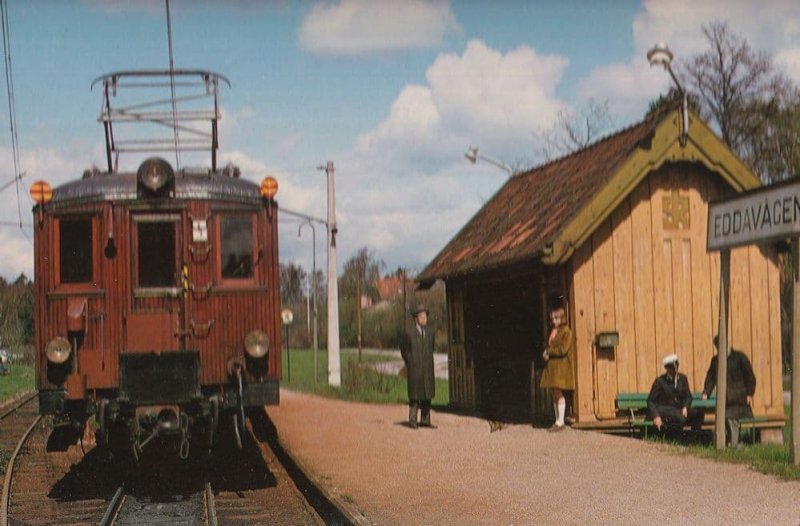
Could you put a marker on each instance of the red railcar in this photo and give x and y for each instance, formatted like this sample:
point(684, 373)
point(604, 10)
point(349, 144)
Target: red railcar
point(157, 298)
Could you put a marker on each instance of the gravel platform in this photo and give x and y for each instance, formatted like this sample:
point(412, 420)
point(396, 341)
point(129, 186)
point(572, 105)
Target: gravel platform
point(462, 474)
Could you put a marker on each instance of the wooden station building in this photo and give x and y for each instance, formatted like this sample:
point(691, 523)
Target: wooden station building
point(618, 229)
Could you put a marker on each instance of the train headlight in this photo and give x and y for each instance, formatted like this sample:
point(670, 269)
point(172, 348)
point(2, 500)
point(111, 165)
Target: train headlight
point(256, 344)
point(58, 350)
point(154, 174)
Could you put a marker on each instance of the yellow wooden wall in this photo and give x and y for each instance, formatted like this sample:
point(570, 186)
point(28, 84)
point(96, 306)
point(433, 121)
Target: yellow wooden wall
point(645, 273)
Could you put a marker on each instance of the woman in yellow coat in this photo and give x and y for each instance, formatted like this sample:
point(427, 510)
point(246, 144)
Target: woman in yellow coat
point(558, 374)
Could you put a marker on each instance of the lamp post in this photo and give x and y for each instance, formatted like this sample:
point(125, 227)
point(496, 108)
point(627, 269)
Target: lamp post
point(472, 156)
point(660, 55)
point(313, 285)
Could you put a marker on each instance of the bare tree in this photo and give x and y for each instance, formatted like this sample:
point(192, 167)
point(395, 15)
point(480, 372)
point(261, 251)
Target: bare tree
point(577, 129)
point(742, 93)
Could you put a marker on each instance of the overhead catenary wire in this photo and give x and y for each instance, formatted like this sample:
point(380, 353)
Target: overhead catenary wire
point(172, 90)
point(12, 118)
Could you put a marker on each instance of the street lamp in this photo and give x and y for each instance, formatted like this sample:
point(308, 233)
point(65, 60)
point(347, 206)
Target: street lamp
point(472, 156)
point(314, 284)
point(660, 55)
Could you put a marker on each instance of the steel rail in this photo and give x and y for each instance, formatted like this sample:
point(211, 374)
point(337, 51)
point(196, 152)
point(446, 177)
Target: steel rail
point(5, 499)
point(113, 507)
point(211, 508)
point(14, 409)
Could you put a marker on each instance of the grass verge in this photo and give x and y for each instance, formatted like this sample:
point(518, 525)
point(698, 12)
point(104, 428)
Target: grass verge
point(770, 459)
point(360, 382)
point(20, 378)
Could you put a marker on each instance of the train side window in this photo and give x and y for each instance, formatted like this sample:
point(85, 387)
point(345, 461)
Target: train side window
point(236, 242)
point(76, 257)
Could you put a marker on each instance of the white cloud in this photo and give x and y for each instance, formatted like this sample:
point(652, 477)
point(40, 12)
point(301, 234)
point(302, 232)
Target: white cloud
point(480, 97)
point(773, 26)
point(789, 61)
point(405, 188)
point(352, 27)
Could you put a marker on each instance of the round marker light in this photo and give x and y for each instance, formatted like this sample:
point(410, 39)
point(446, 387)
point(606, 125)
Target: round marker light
point(41, 192)
point(154, 174)
point(269, 187)
point(256, 344)
point(58, 350)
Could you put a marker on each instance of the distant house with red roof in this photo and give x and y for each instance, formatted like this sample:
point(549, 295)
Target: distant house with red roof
point(618, 229)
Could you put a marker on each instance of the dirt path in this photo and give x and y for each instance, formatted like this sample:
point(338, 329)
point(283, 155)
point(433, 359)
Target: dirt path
point(462, 474)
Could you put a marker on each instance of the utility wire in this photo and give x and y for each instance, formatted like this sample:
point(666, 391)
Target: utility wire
point(12, 117)
point(172, 90)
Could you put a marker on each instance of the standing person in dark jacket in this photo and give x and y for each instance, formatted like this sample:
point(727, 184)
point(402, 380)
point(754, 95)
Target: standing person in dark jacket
point(741, 386)
point(670, 401)
point(417, 352)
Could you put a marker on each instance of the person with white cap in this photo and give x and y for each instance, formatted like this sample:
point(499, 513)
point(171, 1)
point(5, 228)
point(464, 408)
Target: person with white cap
point(669, 404)
point(417, 352)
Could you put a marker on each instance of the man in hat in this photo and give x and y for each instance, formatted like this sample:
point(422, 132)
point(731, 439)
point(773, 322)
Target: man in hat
point(417, 352)
point(669, 404)
point(740, 388)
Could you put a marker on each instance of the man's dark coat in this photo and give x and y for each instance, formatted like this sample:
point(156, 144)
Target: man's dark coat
point(741, 384)
point(417, 352)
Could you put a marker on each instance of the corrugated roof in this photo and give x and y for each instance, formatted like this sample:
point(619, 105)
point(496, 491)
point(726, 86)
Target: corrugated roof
point(532, 208)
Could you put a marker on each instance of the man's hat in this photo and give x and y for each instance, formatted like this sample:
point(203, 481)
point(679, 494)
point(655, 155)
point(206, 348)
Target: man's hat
point(672, 359)
point(419, 308)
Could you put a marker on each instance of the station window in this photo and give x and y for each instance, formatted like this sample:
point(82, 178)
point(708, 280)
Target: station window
point(236, 241)
point(75, 241)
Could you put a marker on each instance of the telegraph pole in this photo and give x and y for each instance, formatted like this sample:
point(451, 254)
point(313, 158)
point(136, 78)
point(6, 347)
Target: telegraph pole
point(334, 365)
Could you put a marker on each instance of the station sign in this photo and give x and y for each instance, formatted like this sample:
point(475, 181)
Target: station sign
point(758, 216)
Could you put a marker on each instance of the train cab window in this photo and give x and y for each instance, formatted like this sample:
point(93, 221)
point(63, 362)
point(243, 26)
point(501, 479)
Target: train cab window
point(75, 242)
point(236, 242)
point(155, 252)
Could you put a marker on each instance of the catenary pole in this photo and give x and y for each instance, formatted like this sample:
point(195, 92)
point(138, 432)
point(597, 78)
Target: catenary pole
point(334, 365)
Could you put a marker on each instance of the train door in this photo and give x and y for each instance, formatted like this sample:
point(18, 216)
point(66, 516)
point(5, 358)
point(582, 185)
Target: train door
point(155, 321)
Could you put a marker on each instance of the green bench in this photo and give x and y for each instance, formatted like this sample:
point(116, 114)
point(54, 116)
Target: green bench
point(635, 407)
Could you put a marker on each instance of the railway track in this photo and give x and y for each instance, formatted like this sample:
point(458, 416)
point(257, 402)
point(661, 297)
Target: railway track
point(228, 487)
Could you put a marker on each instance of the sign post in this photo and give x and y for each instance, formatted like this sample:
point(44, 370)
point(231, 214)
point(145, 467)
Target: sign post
point(758, 216)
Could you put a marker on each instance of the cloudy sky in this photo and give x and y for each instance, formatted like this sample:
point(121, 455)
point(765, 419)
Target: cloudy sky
point(393, 92)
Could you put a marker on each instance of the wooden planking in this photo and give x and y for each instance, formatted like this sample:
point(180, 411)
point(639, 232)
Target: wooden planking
point(644, 307)
point(584, 326)
point(683, 324)
point(775, 378)
point(759, 314)
point(623, 299)
point(603, 271)
point(701, 282)
point(662, 276)
point(740, 319)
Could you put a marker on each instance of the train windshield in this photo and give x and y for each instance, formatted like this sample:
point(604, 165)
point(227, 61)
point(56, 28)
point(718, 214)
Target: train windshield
point(236, 236)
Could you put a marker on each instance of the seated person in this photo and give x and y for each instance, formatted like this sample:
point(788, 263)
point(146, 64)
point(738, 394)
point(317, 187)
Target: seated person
point(669, 404)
